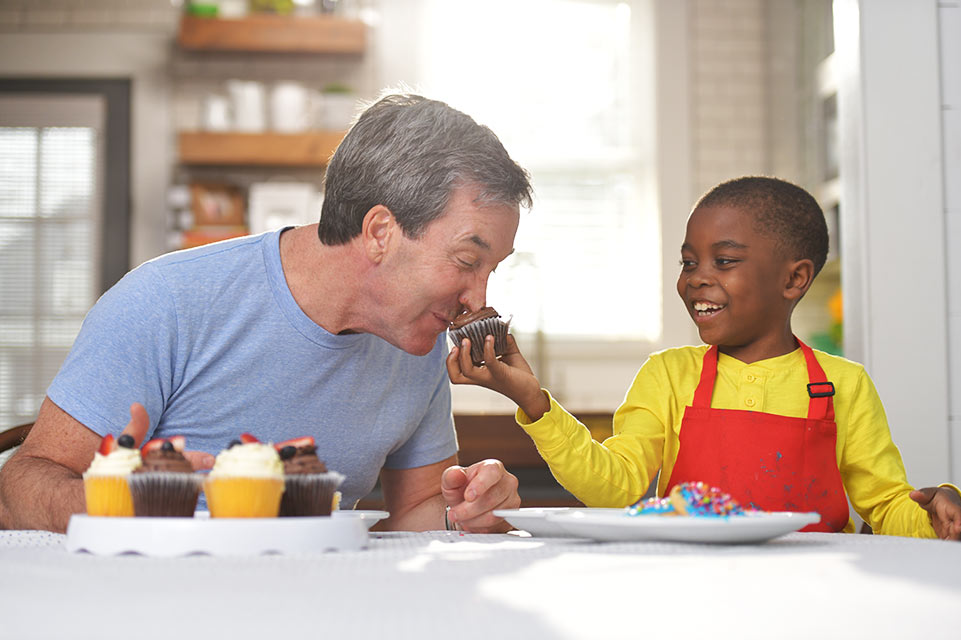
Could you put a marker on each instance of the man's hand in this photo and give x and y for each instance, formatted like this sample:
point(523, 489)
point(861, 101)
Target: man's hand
point(509, 375)
point(944, 509)
point(139, 425)
point(473, 493)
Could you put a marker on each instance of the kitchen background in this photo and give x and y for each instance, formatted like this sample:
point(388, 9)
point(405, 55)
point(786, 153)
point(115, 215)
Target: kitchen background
point(624, 112)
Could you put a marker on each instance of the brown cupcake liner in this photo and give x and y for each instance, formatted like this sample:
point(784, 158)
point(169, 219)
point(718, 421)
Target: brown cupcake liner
point(165, 493)
point(309, 494)
point(479, 330)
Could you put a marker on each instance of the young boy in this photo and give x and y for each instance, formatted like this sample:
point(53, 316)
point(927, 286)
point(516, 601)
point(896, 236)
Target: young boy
point(754, 411)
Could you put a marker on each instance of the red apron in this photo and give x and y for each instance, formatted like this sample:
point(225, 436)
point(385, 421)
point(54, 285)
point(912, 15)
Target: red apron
point(766, 461)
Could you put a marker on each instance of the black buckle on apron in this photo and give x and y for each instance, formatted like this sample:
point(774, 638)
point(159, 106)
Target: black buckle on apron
point(828, 389)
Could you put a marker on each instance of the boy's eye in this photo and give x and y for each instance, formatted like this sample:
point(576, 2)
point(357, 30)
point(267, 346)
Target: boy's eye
point(725, 262)
point(687, 264)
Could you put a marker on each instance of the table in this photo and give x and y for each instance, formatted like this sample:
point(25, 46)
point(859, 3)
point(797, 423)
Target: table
point(440, 584)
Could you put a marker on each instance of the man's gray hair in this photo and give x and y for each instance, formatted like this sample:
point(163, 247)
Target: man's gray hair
point(408, 153)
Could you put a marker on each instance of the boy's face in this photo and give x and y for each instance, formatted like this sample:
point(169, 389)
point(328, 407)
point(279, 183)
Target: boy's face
point(732, 283)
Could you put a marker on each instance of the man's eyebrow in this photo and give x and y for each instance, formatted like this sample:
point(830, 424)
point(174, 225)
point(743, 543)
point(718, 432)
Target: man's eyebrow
point(480, 242)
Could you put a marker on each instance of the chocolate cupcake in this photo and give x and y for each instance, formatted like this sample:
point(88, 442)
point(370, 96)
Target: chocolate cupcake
point(476, 326)
point(165, 485)
point(309, 487)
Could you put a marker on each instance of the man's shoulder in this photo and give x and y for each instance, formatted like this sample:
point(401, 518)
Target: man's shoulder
point(211, 255)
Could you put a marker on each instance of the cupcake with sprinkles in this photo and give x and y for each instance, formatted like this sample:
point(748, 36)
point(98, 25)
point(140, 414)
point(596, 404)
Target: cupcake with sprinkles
point(690, 499)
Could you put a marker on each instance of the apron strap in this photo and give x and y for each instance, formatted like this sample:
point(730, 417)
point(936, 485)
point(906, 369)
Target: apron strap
point(705, 386)
point(820, 391)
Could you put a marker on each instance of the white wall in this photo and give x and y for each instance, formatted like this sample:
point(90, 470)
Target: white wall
point(949, 20)
point(893, 219)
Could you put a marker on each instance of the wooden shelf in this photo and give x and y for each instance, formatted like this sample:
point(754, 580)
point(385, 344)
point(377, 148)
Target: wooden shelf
point(310, 149)
point(270, 33)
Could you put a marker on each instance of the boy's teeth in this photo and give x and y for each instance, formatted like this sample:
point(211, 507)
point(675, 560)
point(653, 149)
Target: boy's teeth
point(705, 306)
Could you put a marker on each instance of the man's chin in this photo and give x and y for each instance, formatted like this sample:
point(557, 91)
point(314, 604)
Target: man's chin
point(416, 347)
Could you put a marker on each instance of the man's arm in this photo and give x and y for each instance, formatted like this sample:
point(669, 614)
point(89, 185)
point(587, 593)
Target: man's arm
point(417, 498)
point(41, 485)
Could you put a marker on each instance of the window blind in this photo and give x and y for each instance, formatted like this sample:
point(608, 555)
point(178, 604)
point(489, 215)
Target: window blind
point(49, 223)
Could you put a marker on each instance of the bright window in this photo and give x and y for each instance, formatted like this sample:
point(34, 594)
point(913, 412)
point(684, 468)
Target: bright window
point(557, 81)
point(49, 230)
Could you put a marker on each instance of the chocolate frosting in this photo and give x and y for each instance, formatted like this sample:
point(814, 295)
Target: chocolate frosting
point(467, 317)
point(160, 460)
point(305, 460)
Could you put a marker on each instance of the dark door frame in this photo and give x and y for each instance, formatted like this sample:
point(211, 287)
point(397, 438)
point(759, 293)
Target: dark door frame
point(115, 227)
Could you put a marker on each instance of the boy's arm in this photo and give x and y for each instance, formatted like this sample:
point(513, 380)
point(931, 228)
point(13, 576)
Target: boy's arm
point(873, 471)
point(613, 474)
point(509, 376)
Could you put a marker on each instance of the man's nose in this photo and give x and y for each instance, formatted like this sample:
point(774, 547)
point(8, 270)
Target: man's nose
point(474, 296)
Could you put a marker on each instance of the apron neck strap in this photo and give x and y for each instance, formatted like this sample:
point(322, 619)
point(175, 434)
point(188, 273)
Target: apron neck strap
point(820, 391)
point(705, 386)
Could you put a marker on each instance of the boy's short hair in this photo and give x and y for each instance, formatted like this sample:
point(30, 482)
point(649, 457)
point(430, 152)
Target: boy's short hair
point(780, 209)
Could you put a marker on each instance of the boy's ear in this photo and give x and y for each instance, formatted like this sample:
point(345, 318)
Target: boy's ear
point(379, 225)
point(800, 277)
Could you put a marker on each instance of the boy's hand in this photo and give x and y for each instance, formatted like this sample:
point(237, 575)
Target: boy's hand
point(509, 375)
point(944, 509)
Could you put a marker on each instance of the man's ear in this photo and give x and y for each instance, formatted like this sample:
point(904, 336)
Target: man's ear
point(800, 277)
point(378, 228)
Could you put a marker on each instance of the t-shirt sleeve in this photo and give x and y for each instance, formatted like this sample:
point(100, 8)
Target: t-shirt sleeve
point(124, 353)
point(434, 438)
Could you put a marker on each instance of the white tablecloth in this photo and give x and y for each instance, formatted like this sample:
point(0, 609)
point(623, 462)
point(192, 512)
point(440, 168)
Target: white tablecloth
point(442, 584)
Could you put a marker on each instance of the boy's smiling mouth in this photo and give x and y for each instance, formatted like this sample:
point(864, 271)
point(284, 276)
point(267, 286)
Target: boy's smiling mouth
point(703, 309)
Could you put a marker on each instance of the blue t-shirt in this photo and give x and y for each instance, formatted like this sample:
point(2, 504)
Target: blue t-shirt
point(213, 344)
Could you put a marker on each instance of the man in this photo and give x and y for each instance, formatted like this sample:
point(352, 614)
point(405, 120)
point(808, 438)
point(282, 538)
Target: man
point(334, 330)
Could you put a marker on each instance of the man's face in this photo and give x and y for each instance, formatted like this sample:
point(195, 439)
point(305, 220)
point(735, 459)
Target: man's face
point(436, 276)
point(731, 281)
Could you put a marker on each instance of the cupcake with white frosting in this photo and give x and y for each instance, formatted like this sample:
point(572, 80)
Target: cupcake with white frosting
point(247, 481)
point(106, 481)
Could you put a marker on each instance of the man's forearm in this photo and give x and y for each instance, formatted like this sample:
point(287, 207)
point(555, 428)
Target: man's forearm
point(38, 494)
point(426, 516)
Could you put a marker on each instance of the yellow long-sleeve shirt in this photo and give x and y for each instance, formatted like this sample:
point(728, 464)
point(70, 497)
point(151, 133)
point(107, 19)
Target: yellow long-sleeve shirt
point(618, 471)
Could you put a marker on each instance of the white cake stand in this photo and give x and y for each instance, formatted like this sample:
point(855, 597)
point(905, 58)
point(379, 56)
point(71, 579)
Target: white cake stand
point(215, 536)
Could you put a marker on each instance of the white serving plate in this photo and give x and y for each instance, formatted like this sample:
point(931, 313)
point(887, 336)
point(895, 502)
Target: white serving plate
point(216, 536)
point(535, 521)
point(601, 524)
point(368, 517)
